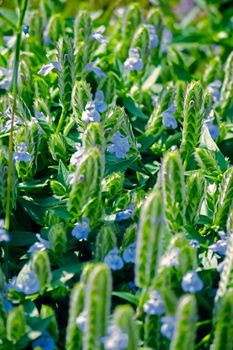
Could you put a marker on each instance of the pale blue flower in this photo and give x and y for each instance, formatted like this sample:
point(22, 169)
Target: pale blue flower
point(125, 214)
point(115, 339)
point(22, 155)
point(214, 89)
point(5, 78)
point(213, 129)
point(154, 40)
point(155, 304)
point(98, 35)
point(90, 114)
point(191, 282)
point(129, 253)
point(219, 247)
point(155, 99)
point(120, 145)
point(28, 284)
point(75, 158)
point(44, 342)
point(166, 39)
point(81, 320)
point(25, 30)
point(133, 62)
point(167, 326)
point(194, 243)
point(91, 67)
point(171, 258)
point(113, 260)
point(47, 68)
point(168, 117)
point(43, 244)
point(46, 39)
point(82, 230)
point(8, 306)
point(4, 236)
point(220, 266)
point(100, 104)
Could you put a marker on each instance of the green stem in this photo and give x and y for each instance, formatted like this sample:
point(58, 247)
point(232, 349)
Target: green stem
point(61, 120)
point(14, 89)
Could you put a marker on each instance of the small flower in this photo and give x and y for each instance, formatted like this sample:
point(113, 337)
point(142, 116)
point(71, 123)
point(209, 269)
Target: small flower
point(8, 306)
point(219, 247)
point(155, 304)
point(98, 35)
point(91, 67)
point(46, 39)
point(43, 244)
point(75, 158)
point(81, 230)
point(129, 253)
point(28, 284)
point(47, 68)
point(113, 260)
point(154, 40)
point(125, 214)
point(5, 78)
point(191, 282)
point(171, 258)
point(100, 104)
point(22, 155)
point(133, 62)
point(167, 326)
point(120, 145)
point(26, 30)
point(213, 129)
point(4, 236)
point(90, 114)
point(220, 266)
point(214, 89)
point(81, 320)
point(115, 339)
point(44, 342)
point(155, 99)
point(132, 286)
point(194, 243)
point(166, 39)
point(168, 117)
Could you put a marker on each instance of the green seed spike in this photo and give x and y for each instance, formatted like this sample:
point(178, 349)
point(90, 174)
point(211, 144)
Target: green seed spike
point(207, 161)
point(66, 72)
point(195, 193)
point(82, 44)
point(179, 99)
point(81, 94)
point(94, 137)
point(164, 102)
point(155, 17)
point(97, 306)
point(230, 222)
point(227, 87)
point(106, 240)
point(185, 326)
point(86, 273)
point(73, 333)
point(114, 121)
point(141, 41)
point(225, 199)
point(173, 187)
point(149, 239)
point(213, 67)
point(87, 181)
point(123, 318)
point(226, 276)
point(152, 334)
point(130, 24)
point(113, 185)
point(58, 239)
point(55, 28)
point(223, 334)
point(108, 86)
point(47, 312)
point(94, 210)
point(58, 147)
point(41, 265)
point(193, 115)
point(15, 324)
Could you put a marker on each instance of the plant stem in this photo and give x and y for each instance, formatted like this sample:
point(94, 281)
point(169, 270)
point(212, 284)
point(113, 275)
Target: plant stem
point(61, 120)
point(14, 89)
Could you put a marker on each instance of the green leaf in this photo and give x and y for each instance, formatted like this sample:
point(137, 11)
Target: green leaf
point(132, 299)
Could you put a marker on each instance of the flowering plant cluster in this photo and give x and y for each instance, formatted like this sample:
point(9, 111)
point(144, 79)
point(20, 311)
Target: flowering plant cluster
point(116, 176)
